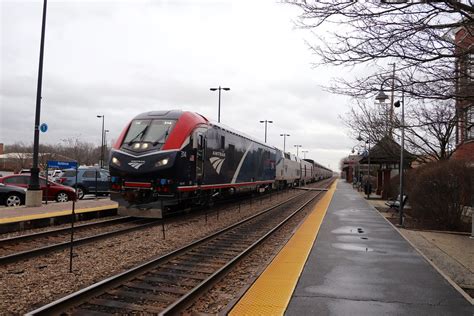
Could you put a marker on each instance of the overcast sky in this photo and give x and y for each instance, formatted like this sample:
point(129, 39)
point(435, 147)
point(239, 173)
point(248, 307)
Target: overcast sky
point(121, 58)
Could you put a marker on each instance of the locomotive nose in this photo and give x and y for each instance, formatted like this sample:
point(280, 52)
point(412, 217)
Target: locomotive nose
point(142, 164)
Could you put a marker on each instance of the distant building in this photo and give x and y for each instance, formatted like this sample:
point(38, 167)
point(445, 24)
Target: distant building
point(16, 161)
point(464, 41)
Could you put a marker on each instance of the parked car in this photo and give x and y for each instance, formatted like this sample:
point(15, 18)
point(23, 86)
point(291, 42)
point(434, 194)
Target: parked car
point(88, 178)
point(54, 191)
point(55, 175)
point(11, 195)
point(25, 171)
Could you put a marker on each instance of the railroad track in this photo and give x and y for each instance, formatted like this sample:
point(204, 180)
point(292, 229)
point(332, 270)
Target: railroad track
point(31, 245)
point(170, 283)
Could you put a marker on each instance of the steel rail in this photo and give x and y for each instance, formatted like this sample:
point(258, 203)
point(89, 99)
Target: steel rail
point(186, 300)
point(94, 290)
point(81, 241)
point(19, 238)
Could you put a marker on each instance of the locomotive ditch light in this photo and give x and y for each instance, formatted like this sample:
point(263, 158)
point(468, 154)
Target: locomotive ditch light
point(162, 162)
point(115, 161)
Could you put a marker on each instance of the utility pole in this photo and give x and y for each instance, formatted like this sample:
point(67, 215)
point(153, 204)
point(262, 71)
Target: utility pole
point(34, 195)
point(391, 102)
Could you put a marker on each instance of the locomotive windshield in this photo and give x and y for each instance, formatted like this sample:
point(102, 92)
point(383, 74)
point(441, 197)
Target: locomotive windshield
point(147, 134)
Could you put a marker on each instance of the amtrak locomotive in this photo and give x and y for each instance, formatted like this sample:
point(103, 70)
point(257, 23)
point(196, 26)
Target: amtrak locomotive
point(169, 159)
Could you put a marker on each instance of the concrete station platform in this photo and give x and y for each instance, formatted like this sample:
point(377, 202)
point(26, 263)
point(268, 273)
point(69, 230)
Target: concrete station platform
point(359, 264)
point(53, 213)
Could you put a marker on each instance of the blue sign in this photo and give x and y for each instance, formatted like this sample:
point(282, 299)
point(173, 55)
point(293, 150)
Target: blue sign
point(44, 127)
point(62, 164)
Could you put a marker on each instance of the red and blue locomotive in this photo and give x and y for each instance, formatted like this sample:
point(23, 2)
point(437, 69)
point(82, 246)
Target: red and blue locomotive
point(168, 159)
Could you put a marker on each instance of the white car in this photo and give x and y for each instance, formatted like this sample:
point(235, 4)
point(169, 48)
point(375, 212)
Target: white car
point(55, 175)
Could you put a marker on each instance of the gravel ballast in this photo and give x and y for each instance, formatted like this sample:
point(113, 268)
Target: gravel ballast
point(32, 283)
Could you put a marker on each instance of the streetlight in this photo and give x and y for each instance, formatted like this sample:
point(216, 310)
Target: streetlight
point(304, 153)
point(382, 97)
point(266, 128)
point(105, 141)
point(102, 142)
point(284, 141)
point(34, 195)
point(353, 150)
point(219, 104)
point(297, 147)
point(367, 142)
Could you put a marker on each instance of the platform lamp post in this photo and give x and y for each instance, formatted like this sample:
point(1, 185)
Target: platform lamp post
point(382, 97)
point(219, 102)
point(266, 121)
point(102, 141)
point(354, 148)
point(105, 141)
point(304, 153)
point(284, 141)
point(367, 146)
point(34, 194)
point(298, 147)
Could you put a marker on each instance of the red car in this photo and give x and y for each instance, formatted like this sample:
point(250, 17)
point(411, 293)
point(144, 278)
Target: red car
point(56, 192)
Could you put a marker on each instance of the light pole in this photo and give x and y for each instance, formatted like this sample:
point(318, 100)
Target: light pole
point(304, 153)
point(381, 97)
point(266, 128)
point(34, 195)
point(297, 147)
point(354, 148)
point(284, 141)
point(102, 142)
point(219, 104)
point(367, 147)
point(105, 141)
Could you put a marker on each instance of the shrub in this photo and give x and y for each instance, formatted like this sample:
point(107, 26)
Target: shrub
point(439, 193)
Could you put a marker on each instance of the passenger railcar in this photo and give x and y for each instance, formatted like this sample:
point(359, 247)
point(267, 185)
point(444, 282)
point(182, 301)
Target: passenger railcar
point(165, 159)
point(288, 170)
point(306, 172)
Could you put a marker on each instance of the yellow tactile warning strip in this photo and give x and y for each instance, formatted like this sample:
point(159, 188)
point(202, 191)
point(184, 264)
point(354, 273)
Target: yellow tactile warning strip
point(271, 292)
point(54, 214)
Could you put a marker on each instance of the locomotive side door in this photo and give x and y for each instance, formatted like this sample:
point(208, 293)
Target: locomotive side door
point(200, 157)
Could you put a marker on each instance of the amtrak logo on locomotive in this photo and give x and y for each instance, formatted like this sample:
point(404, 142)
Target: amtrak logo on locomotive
point(136, 163)
point(217, 162)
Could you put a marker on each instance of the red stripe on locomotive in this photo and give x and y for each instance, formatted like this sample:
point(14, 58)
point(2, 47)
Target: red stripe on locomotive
point(221, 186)
point(137, 184)
point(119, 141)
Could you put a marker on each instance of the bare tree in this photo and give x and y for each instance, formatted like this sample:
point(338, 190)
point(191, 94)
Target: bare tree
point(417, 35)
point(20, 155)
point(430, 130)
point(71, 149)
point(428, 127)
point(82, 152)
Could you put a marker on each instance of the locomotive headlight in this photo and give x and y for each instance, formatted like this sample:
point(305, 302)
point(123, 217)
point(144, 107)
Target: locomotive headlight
point(115, 161)
point(162, 162)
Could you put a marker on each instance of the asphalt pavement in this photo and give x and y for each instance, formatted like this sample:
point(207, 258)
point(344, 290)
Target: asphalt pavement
point(360, 265)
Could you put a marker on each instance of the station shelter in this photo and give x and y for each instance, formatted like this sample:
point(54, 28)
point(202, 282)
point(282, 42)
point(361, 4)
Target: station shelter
point(385, 158)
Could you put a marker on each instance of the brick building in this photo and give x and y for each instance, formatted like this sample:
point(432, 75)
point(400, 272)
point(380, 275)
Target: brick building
point(464, 39)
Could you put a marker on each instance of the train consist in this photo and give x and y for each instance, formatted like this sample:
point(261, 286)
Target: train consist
point(169, 159)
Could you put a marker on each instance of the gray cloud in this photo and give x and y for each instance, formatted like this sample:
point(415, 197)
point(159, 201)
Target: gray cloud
point(123, 58)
